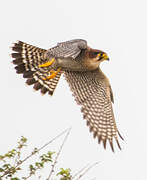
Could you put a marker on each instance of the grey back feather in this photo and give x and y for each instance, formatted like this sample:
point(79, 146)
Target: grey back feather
point(68, 49)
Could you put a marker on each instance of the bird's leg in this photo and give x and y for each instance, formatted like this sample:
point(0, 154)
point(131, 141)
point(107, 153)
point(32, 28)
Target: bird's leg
point(48, 63)
point(53, 74)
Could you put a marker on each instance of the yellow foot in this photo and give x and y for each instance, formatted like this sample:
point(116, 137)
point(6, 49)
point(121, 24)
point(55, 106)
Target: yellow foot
point(49, 63)
point(53, 74)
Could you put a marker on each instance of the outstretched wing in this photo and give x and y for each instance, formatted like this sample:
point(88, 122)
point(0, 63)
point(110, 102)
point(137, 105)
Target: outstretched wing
point(68, 49)
point(92, 92)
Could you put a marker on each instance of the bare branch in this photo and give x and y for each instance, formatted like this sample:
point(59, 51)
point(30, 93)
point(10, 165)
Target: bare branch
point(86, 170)
point(60, 149)
point(38, 150)
point(80, 171)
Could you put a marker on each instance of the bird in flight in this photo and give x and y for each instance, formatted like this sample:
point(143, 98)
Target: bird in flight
point(80, 65)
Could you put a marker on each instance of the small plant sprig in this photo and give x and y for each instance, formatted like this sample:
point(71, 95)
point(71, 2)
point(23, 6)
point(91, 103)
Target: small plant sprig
point(65, 174)
point(45, 158)
point(9, 169)
point(11, 162)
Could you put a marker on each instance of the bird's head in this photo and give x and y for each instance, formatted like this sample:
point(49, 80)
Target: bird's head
point(98, 55)
point(94, 58)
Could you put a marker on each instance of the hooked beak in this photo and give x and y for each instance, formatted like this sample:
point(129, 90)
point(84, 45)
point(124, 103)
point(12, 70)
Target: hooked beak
point(105, 57)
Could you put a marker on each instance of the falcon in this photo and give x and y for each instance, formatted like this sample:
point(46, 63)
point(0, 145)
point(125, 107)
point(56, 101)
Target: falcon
point(80, 65)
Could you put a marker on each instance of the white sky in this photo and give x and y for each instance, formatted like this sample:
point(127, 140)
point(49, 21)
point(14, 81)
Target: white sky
point(115, 26)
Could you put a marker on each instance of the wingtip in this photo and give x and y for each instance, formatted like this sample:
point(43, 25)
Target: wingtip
point(111, 145)
point(118, 143)
point(104, 143)
point(120, 135)
point(99, 139)
point(95, 134)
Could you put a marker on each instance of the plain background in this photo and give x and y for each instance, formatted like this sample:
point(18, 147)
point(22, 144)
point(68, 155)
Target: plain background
point(114, 26)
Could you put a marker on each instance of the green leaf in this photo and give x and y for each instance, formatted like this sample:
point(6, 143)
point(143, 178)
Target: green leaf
point(1, 170)
point(23, 139)
point(39, 165)
point(15, 178)
point(31, 167)
point(35, 151)
point(64, 172)
point(1, 157)
point(50, 153)
point(6, 166)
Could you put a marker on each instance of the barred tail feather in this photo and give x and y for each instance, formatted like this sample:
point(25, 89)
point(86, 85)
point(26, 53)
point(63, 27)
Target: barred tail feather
point(27, 59)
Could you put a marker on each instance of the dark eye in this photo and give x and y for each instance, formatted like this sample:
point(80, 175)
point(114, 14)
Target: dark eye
point(100, 54)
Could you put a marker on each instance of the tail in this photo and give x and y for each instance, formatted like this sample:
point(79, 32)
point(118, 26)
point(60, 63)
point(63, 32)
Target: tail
point(27, 59)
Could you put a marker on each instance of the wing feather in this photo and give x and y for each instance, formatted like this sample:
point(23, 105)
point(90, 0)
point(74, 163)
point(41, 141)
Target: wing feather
point(27, 59)
point(68, 49)
point(92, 92)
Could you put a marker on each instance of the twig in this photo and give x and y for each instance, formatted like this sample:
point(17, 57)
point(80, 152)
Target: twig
point(76, 174)
point(60, 149)
point(38, 150)
point(87, 170)
point(30, 174)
